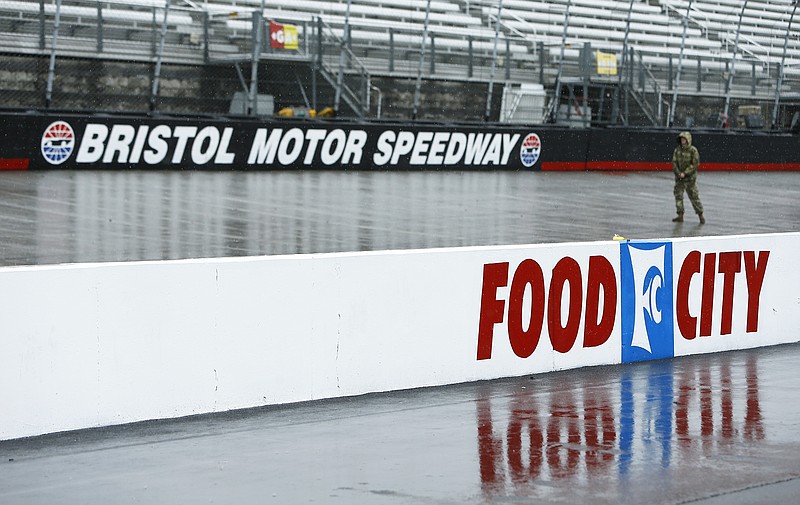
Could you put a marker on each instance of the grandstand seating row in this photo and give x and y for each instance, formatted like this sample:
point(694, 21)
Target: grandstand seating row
point(457, 26)
point(655, 29)
point(763, 25)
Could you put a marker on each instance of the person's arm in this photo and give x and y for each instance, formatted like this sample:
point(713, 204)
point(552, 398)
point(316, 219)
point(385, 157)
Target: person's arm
point(675, 169)
point(694, 164)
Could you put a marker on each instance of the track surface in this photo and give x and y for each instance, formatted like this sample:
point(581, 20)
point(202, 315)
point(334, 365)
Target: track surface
point(708, 429)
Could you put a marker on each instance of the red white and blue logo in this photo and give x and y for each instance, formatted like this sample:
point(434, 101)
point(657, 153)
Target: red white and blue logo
point(58, 142)
point(530, 149)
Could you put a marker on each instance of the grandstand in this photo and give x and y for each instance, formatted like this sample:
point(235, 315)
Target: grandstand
point(373, 55)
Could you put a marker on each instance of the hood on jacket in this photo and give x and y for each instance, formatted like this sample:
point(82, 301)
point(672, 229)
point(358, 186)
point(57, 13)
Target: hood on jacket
point(687, 136)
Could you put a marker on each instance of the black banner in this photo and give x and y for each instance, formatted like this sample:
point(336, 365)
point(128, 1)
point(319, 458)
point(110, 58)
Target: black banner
point(74, 141)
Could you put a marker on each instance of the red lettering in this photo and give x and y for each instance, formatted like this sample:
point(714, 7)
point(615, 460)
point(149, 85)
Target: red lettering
point(529, 273)
point(754, 273)
point(687, 324)
point(563, 338)
point(730, 263)
point(601, 275)
point(495, 275)
point(707, 302)
point(526, 321)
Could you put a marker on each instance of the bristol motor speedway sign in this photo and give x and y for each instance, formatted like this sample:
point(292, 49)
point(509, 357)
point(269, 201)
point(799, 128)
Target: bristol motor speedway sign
point(280, 145)
point(48, 140)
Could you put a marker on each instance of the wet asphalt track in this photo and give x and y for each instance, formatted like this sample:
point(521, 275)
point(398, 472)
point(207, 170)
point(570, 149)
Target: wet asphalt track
point(709, 429)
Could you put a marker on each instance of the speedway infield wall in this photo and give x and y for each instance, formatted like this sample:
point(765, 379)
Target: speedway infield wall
point(89, 345)
point(36, 140)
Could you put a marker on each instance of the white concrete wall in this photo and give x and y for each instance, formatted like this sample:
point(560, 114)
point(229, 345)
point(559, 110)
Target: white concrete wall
point(98, 344)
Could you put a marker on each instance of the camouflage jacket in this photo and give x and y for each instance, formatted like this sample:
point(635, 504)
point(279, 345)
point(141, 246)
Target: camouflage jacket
point(686, 158)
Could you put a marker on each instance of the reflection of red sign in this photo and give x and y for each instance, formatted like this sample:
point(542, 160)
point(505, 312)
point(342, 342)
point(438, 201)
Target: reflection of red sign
point(282, 36)
point(594, 428)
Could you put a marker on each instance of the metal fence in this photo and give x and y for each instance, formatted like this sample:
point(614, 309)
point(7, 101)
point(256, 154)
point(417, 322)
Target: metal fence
point(155, 56)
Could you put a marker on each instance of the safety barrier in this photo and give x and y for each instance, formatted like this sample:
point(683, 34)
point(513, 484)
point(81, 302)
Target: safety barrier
point(88, 345)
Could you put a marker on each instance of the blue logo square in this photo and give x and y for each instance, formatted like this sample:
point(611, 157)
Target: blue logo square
point(646, 301)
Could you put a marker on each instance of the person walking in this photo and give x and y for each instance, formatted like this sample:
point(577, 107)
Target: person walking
point(685, 162)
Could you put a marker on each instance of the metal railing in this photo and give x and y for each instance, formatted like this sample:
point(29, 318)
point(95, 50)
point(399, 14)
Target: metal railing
point(334, 57)
point(107, 53)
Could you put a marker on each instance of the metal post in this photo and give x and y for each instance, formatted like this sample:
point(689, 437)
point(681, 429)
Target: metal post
point(319, 42)
point(557, 95)
point(433, 54)
point(159, 55)
point(244, 85)
point(780, 72)
point(317, 63)
point(391, 49)
point(51, 69)
point(680, 66)
point(380, 101)
point(367, 95)
point(601, 106)
point(340, 76)
point(699, 76)
point(99, 27)
point(305, 38)
point(640, 67)
point(583, 105)
point(41, 24)
point(421, 60)
point(508, 60)
point(494, 61)
point(623, 68)
point(540, 48)
point(670, 79)
point(731, 70)
point(585, 65)
point(349, 45)
point(206, 33)
point(470, 68)
point(257, 29)
point(630, 85)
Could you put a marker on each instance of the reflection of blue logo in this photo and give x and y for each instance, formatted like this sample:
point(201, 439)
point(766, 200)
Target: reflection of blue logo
point(646, 301)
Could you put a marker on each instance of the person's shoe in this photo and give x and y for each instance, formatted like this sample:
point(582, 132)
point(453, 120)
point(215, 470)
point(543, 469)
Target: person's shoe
point(702, 219)
point(678, 218)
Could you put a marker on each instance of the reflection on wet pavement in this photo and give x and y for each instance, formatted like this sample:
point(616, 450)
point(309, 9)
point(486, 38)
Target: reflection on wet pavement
point(70, 216)
point(694, 429)
point(659, 426)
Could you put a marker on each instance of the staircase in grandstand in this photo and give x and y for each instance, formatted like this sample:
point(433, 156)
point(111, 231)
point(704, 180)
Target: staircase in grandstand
point(352, 42)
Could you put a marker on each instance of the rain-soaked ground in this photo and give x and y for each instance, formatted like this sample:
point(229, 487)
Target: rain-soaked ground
point(68, 216)
point(713, 429)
